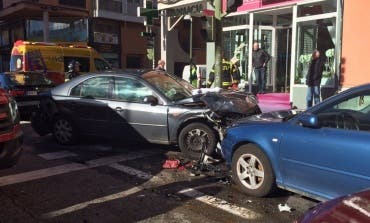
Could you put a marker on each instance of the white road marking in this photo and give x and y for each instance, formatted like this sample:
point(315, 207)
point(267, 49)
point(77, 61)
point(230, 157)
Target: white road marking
point(220, 204)
point(131, 171)
point(83, 205)
point(154, 182)
point(57, 155)
point(67, 168)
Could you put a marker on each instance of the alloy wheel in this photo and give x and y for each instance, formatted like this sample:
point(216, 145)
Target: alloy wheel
point(197, 139)
point(250, 171)
point(63, 131)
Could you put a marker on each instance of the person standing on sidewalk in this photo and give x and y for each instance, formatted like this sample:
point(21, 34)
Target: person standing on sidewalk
point(313, 78)
point(259, 61)
point(161, 65)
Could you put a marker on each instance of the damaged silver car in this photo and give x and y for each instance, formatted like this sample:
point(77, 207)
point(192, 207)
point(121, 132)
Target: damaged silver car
point(149, 106)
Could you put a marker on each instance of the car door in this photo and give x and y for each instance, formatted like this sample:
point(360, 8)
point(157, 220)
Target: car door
point(135, 119)
point(89, 105)
point(331, 160)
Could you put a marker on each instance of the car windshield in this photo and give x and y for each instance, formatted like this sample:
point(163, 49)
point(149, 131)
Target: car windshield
point(29, 79)
point(168, 85)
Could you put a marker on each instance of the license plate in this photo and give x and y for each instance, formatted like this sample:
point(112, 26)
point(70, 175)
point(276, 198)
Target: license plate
point(31, 93)
point(27, 103)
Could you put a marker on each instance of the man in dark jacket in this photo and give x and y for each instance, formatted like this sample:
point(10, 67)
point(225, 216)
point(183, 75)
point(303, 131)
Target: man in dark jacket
point(313, 78)
point(259, 61)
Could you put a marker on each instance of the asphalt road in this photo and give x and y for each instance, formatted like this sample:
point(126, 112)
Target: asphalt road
point(114, 181)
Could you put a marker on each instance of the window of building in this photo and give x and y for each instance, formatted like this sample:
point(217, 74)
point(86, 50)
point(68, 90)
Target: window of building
point(75, 3)
point(60, 30)
point(111, 5)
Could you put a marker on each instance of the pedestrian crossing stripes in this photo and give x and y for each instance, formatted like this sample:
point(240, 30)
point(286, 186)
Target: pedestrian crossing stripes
point(57, 155)
point(154, 182)
point(72, 167)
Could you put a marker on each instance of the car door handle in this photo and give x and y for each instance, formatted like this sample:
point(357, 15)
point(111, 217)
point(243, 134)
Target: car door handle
point(119, 109)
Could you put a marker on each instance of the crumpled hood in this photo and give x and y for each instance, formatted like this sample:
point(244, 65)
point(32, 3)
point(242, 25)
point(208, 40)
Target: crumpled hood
point(268, 117)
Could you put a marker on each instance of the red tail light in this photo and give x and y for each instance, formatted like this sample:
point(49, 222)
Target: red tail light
point(15, 93)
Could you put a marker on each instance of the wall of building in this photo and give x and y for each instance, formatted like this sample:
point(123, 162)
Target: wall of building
point(355, 43)
point(133, 46)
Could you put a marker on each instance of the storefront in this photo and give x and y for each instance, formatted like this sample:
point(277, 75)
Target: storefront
point(105, 38)
point(289, 31)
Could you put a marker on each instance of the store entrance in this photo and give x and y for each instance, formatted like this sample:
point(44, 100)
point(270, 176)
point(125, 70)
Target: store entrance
point(272, 29)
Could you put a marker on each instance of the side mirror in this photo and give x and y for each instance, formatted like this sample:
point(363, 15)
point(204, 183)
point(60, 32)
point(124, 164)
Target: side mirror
point(153, 101)
point(309, 120)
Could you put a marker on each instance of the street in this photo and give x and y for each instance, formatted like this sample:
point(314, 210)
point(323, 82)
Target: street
point(113, 181)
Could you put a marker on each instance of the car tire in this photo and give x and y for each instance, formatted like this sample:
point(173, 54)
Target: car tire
point(64, 130)
point(252, 171)
point(10, 160)
point(39, 125)
point(193, 137)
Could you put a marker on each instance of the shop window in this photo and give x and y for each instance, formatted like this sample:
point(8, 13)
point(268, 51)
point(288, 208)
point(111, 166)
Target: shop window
point(235, 20)
point(320, 35)
point(75, 3)
point(235, 47)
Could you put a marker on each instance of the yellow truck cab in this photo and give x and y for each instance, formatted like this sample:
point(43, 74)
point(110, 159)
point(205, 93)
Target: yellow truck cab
point(52, 59)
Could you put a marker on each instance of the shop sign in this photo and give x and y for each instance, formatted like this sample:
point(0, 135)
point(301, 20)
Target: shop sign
point(105, 38)
point(181, 7)
point(257, 4)
point(186, 10)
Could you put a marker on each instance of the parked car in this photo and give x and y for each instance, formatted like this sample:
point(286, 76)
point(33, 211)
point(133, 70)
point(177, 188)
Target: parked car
point(321, 152)
point(25, 89)
point(147, 106)
point(349, 208)
point(11, 135)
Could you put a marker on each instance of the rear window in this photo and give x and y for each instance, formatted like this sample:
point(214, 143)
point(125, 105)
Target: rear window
point(16, 63)
point(29, 79)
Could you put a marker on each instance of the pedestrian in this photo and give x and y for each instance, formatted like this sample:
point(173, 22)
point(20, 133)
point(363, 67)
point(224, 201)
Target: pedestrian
point(235, 73)
point(161, 65)
point(193, 78)
point(313, 78)
point(73, 69)
point(227, 73)
point(259, 62)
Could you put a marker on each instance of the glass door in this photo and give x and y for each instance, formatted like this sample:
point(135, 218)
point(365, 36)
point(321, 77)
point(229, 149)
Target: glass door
point(265, 36)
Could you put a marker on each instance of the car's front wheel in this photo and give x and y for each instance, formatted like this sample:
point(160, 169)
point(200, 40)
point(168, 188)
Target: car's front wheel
point(196, 137)
point(64, 130)
point(252, 171)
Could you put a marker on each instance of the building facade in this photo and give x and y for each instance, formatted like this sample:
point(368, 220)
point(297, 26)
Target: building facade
point(110, 26)
point(289, 30)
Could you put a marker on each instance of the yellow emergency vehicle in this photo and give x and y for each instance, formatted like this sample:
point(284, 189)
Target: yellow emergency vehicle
point(52, 59)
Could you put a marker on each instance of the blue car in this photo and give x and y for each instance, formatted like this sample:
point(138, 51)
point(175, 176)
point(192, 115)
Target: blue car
point(323, 152)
